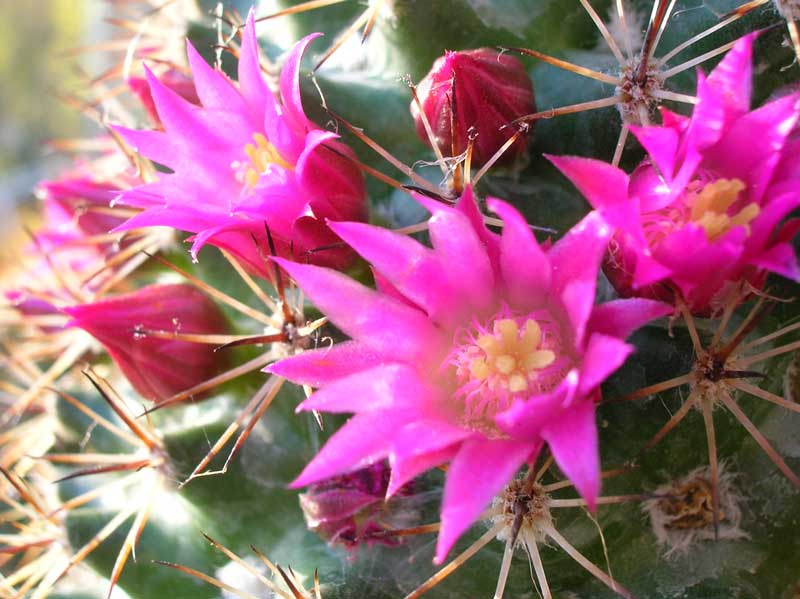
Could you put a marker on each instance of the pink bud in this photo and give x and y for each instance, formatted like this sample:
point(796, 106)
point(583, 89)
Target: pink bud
point(350, 509)
point(156, 367)
point(490, 90)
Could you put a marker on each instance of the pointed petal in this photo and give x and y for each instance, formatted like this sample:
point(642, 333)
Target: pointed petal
point(601, 184)
point(362, 441)
point(383, 386)
point(419, 446)
point(526, 418)
point(213, 88)
point(575, 260)
point(379, 321)
point(622, 317)
point(290, 84)
point(662, 145)
point(322, 366)
point(453, 237)
point(731, 79)
point(412, 268)
point(480, 470)
point(603, 356)
point(751, 147)
point(573, 441)
point(780, 259)
point(526, 269)
point(251, 82)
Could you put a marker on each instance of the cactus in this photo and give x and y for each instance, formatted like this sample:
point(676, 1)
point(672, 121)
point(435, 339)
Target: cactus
point(127, 474)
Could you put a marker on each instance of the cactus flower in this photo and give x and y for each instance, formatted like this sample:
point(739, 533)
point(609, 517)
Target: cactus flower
point(490, 90)
point(244, 162)
point(475, 352)
point(156, 367)
point(704, 212)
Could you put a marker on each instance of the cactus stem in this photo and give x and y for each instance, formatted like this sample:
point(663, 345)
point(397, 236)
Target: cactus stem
point(760, 439)
point(711, 437)
point(232, 556)
point(451, 567)
point(254, 410)
point(585, 563)
point(208, 579)
point(698, 60)
point(672, 422)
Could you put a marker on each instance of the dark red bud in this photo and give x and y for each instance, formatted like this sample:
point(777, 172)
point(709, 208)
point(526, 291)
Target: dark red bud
point(478, 94)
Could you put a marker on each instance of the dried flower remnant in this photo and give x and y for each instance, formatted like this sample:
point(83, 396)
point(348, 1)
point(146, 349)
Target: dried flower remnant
point(706, 213)
point(350, 509)
point(244, 159)
point(476, 352)
point(721, 368)
point(472, 97)
point(156, 367)
point(682, 512)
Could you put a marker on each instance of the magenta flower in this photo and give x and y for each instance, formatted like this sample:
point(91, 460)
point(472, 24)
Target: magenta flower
point(156, 367)
point(476, 352)
point(491, 90)
point(242, 162)
point(704, 214)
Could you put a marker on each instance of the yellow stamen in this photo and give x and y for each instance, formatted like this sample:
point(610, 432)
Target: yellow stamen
point(261, 154)
point(511, 355)
point(710, 208)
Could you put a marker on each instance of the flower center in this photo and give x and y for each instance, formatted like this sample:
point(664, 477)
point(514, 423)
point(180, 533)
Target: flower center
point(710, 208)
point(509, 357)
point(262, 154)
point(710, 205)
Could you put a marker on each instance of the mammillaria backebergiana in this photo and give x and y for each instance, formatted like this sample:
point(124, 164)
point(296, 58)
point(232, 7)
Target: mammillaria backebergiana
point(374, 350)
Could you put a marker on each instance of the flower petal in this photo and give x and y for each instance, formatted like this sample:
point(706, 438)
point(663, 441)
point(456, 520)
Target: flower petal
point(421, 445)
point(480, 470)
point(603, 356)
point(319, 367)
point(573, 442)
point(382, 323)
point(213, 88)
point(362, 441)
point(380, 387)
point(622, 317)
point(526, 269)
point(413, 269)
point(290, 85)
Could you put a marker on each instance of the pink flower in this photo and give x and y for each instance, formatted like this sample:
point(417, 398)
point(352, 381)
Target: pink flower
point(704, 213)
point(156, 367)
point(491, 90)
point(476, 352)
point(242, 162)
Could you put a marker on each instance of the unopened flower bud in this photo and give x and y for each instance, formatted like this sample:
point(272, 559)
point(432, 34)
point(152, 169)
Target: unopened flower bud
point(157, 365)
point(351, 509)
point(475, 94)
